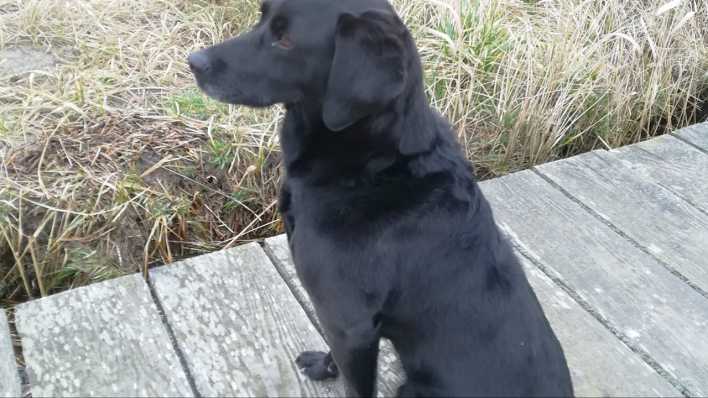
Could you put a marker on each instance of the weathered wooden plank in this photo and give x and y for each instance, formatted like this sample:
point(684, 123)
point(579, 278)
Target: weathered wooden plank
point(670, 162)
point(238, 325)
point(600, 364)
point(670, 228)
point(696, 135)
point(652, 310)
point(278, 250)
point(106, 339)
point(9, 378)
point(390, 374)
point(616, 372)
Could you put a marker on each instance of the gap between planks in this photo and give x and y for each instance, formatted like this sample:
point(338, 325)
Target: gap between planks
point(673, 271)
point(173, 339)
point(677, 194)
point(291, 286)
point(644, 355)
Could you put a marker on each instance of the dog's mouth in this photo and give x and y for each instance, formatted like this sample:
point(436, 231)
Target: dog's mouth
point(233, 95)
point(212, 91)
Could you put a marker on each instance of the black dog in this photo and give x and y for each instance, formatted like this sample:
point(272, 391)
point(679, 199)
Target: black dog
point(389, 232)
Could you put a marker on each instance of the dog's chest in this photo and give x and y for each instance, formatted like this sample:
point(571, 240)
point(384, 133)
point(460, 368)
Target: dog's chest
point(354, 210)
point(355, 206)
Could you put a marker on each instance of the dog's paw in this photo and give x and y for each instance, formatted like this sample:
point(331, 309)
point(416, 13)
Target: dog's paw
point(317, 365)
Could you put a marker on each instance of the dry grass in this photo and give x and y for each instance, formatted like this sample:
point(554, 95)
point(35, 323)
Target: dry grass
point(526, 82)
point(123, 164)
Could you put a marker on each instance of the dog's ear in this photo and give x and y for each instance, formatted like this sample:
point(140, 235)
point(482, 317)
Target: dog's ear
point(368, 70)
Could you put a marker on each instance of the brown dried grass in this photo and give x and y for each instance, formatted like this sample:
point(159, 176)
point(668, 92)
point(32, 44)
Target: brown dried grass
point(118, 163)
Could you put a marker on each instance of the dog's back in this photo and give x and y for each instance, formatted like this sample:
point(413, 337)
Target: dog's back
point(466, 321)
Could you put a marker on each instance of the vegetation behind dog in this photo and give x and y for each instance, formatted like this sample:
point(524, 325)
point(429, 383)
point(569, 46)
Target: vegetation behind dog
point(119, 163)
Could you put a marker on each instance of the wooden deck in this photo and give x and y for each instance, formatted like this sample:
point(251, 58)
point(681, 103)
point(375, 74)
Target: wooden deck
point(615, 244)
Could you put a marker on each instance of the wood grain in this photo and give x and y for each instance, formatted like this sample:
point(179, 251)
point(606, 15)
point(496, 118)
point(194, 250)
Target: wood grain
point(105, 339)
point(9, 379)
point(650, 214)
point(600, 364)
point(669, 162)
point(238, 325)
point(696, 134)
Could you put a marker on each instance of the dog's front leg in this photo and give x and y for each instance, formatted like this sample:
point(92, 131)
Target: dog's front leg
point(350, 316)
point(285, 210)
point(354, 350)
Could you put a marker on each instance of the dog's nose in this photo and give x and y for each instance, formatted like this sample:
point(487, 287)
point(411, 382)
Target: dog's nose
point(199, 62)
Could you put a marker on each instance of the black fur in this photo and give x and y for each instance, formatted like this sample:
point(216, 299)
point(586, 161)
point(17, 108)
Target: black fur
point(389, 231)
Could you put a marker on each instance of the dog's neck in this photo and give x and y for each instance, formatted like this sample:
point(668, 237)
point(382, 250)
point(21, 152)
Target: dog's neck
point(405, 129)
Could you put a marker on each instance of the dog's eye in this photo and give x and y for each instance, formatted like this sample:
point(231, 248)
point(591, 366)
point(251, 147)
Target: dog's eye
point(284, 42)
point(278, 27)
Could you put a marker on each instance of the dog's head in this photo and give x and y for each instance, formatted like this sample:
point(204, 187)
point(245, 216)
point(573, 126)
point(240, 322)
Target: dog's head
point(350, 57)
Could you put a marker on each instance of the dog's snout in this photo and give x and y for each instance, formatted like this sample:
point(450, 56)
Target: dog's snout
point(199, 62)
